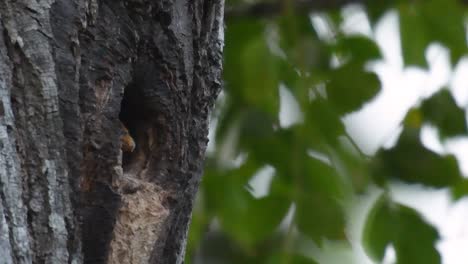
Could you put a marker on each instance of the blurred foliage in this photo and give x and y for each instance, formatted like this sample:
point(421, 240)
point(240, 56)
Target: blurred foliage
point(313, 166)
point(389, 222)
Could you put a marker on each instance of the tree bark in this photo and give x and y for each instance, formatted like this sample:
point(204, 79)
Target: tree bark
point(71, 71)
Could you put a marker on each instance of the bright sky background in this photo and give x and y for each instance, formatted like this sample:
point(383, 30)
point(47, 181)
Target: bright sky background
point(378, 124)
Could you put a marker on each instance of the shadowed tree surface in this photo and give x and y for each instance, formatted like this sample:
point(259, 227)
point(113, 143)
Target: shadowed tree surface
point(69, 70)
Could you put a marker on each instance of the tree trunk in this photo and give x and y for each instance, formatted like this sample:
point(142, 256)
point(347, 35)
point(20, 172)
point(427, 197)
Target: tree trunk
point(71, 71)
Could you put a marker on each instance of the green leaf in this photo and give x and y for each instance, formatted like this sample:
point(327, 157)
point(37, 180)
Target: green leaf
point(460, 189)
point(375, 9)
point(281, 258)
point(297, 38)
point(358, 49)
point(424, 22)
point(265, 141)
point(292, 28)
point(450, 30)
point(251, 70)
point(320, 217)
point(260, 75)
point(378, 229)
point(218, 247)
point(224, 188)
point(394, 224)
point(239, 34)
point(323, 121)
point(234, 2)
point(355, 167)
point(244, 218)
point(268, 213)
point(414, 38)
point(412, 227)
point(413, 119)
point(319, 210)
point(411, 162)
point(442, 111)
point(350, 88)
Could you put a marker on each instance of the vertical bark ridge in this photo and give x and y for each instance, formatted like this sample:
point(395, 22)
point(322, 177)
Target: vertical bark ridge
point(71, 73)
point(14, 235)
point(38, 126)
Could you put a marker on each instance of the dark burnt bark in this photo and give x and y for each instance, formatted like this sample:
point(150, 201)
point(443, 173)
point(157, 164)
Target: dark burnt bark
point(71, 71)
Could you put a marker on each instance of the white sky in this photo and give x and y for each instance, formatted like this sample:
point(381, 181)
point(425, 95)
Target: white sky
point(378, 124)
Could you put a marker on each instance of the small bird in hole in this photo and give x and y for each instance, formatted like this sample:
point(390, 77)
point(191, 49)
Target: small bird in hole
point(128, 143)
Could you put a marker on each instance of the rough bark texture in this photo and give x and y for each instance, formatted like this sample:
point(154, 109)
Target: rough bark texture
point(69, 71)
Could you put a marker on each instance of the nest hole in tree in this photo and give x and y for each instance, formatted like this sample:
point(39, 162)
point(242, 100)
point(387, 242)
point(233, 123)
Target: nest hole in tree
point(140, 124)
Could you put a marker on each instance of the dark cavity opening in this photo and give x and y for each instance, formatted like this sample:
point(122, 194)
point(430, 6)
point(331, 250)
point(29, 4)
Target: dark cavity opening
point(139, 122)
